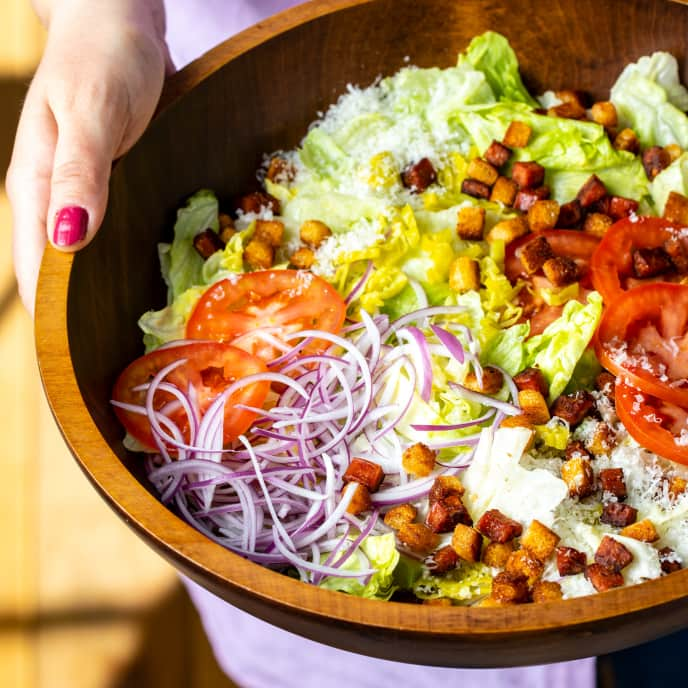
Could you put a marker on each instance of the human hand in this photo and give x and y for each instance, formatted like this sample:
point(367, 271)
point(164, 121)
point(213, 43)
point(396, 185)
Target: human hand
point(91, 98)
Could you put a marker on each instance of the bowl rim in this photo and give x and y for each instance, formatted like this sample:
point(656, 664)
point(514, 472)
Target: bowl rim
point(229, 573)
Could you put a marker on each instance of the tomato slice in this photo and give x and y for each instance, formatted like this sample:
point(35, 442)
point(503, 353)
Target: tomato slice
point(255, 310)
point(612, 263)
point(564, 242)
point(643, 336)
point(209, 367)
point(655, 424)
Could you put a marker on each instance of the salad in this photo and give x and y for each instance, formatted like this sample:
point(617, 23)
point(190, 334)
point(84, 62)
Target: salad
point(440, 354)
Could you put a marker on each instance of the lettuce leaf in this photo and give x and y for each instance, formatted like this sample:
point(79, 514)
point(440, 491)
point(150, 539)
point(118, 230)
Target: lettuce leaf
point(650, 99)
point(376, 551)
point(673, 178)
point(559, 348)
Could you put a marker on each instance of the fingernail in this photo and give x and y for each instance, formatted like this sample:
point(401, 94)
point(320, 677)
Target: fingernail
point(71, 224)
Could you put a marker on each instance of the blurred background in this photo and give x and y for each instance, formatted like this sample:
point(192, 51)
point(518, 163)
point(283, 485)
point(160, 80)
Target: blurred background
point(83, 603)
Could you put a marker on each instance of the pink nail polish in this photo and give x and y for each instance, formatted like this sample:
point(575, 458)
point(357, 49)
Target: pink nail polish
point(71, 224)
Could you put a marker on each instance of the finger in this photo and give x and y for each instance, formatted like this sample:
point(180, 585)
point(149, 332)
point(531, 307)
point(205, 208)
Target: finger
point(90, 128)
point(28, 190)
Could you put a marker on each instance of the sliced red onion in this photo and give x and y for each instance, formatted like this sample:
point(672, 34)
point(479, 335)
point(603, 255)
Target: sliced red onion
point(485, 400)
point(451, 343)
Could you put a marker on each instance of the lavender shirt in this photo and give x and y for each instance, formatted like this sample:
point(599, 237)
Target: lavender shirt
point(194, 26)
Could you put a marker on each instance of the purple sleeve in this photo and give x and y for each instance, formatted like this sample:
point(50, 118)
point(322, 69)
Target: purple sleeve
point(195, 26)
point(241, 642)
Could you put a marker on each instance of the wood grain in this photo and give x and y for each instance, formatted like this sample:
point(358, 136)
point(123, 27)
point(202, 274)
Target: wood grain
point(252, 95)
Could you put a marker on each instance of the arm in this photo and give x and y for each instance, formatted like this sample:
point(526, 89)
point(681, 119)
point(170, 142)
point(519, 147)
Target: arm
point(91, 98)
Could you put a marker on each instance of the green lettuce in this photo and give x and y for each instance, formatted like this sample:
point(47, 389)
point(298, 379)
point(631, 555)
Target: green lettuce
point(379, 552)
point(673, 178)
point(558, 349)
point(491, 54)
point(650, 99)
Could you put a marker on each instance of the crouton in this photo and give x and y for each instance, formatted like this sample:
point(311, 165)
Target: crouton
point(269, 231)
point(604, 113)
point(258, 201)
point(314, 232)
point(655, 159)
point(365, 472)
point(508, 230)
point(207, 242)
point(475, 188)
point(603, 579)
point(546, 591)
point(592, 191)
point(418, 459)
point(576, 449)
point(528, 175)
point(360, 502)
point(464, 274)
point(644, 531)
point(399, 515)
point(535, 253)
point(612, 554)
point(567, 111)
point(573, 407)
point(445, 514)
point(471, 223)
point(259, 255)
point(674, 151)
point(573, 96)
point(509, 588)
point(527, 198)
point(497, 154)
point(579, 478)
point(650, 262)
point(612, 481)
point(419, 176)
point(495, 554)
point(523, 563)
point(676, 250)
point(302, 259)
point(280, 171)
point(491, 382)
point(618, 514)
point(539, 540)
point(603, 440)
point(418, 538)
point(443, 560)
point(570, 561)
point(532, 378)
point(517, 135)
point(676, 209)
point(570, 215)
point(504, 191)
point(561, 271)
point(626, 140)
point(677, 486)
point(482, 171)
point(518, 421)
point(597, 224)
point(445, 486)
point(467, 542)
point(494, 525)
point(533, 406)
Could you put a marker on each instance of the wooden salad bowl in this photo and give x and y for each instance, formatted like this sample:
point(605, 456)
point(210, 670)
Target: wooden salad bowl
point(255, 94)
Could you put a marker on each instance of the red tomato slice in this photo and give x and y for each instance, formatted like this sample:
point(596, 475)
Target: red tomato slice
point(643, 336)
point(655, 424)
point(252, 309)
point(612, 262)
point(564, 242)
point(210, 368)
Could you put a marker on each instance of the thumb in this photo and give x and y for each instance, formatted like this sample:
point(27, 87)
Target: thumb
point(84, 151)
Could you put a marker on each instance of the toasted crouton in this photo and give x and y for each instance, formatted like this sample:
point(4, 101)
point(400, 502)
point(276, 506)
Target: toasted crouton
point(482, 171)
point(509, 588)
point(561, 271)
point(302, 259)
point(517, 135)
point(400, 515)
point(360, 502)
point(418, 459)
point(626, 140)
point(603, 439)
point(269, 231)
point(539, 540)
point(471, 223)
point(543, 215)
point(579, 478)
point(674, 151)
point(464, 274)
point(535, 253)
point(314, 232)
point(604, 113)
point(418, 538)
point(496, 554)
point(547, 591)
point(259, 255)
point(676, 208)
point(508, 230)
point(522, 562)
point(533, 406)
point(644, 531)
point(504, 191)
point(491, 382)
point(445, 486)
point(597, 224)
point(467, 542)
